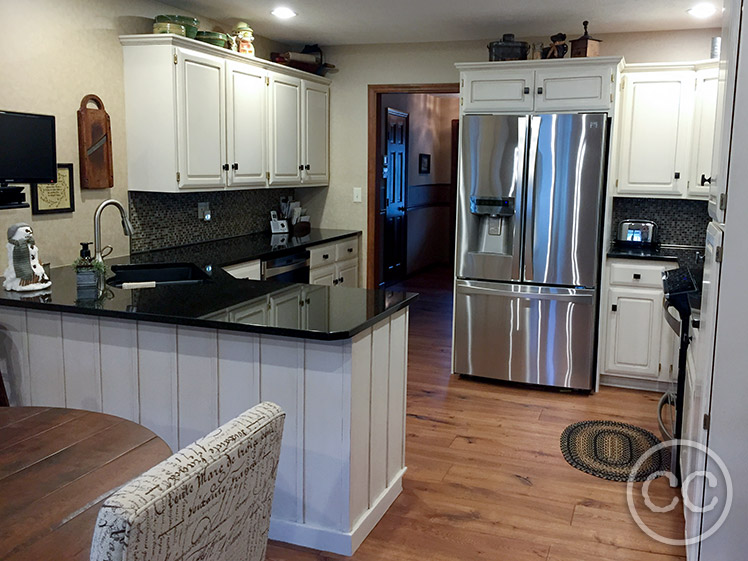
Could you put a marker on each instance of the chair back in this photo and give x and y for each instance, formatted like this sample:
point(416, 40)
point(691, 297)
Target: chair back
point(211, 500)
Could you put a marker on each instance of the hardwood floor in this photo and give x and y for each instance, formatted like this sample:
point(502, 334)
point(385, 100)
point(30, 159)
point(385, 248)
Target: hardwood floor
point(486, 479)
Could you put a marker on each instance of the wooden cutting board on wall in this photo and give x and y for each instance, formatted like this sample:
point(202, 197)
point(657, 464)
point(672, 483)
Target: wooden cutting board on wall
point(95, 144)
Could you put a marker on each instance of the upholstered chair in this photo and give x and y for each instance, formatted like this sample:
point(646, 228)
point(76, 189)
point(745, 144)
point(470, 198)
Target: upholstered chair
point(211, 500)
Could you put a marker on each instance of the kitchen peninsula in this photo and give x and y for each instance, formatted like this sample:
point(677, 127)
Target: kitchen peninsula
point(183, 359)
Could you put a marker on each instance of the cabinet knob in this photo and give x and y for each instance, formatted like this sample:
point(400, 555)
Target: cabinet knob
point(526, 91)
point(341, 280)
point(614, 307)
point(677, 175)
point(637, 276)
point(326, 256)
point(235, 166)
point(540, 90)
point(307, 167)
point(705, 180)
point(350, 250)
point(308, 301)
point(301, 167)
point(335, 281)
point(225, 167)
point(301, 302)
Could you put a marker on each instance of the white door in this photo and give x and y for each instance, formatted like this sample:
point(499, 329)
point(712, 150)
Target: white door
point(579, 89)
point(347, 273)
point(656, 133)
point(285, 309)
point(705, 118)
point(497, 90)
point(246, 124)
point(634, 328)
point(316, 135)
point(201, 121)
point(323, 275)
point(285, 130)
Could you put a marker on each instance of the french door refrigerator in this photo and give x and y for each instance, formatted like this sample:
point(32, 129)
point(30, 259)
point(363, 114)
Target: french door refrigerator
point(529, 223)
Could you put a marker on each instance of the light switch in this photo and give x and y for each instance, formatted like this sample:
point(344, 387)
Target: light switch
point(357, 195)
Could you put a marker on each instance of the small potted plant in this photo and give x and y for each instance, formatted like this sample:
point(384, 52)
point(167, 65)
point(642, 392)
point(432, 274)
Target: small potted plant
point(88, 273)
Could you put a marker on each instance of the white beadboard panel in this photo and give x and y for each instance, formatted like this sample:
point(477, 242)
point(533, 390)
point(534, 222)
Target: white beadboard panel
point(197, 383)
point(282, 382)
point(14, 355)
point(157, 372)
point(238, 374)
point(325, 491)
point(360, 382)
point(119, 368)
point(45, 358)
point(81, 356)
point(380, 363)
point(405, 376)
point(396, 397)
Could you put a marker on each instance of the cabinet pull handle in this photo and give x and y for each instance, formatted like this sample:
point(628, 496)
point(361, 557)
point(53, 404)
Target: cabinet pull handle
point(637, 276)
point(235, 166)
point(614, 307)
point(540, 91)
point(526, 91)
point(225, 167)
point(705, 180)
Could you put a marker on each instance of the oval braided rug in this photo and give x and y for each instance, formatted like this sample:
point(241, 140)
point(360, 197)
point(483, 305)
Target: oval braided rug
point(609, 450)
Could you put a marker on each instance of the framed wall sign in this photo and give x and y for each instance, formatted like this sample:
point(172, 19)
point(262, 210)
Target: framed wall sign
point(50, 198)
point(424, 164)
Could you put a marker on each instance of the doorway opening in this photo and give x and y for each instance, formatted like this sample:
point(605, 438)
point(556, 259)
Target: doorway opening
point(412, 168)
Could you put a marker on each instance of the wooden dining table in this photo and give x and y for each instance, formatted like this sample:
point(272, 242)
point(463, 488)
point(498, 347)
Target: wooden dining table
point(57, 466)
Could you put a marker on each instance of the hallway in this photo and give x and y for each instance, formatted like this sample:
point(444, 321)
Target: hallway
point(486, 479)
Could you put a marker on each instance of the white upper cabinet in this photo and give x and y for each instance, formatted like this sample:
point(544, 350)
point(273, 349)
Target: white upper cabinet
point(285, 130)
point(539, 86)
point(705, 119)
point(315, 133)
point(667, 127)
point(246, 119)
point(656, 133)
point(202, 118)
point(201, 122)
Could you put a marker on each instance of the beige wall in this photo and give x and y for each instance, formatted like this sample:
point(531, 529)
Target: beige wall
point(52, 53)
point(361, 65)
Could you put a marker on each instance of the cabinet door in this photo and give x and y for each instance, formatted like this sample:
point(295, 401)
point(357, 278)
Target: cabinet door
point(497, 90)
point(285, 130)
point(246, 124)
point(201, 121)
point(323, 275)
point(579, 89)
point(316, 135)
point(254, 313)
point(285, 309)
point(634, 329)
point(655, 136)
point(705, 120)
point(315, 308)
point(347, 273)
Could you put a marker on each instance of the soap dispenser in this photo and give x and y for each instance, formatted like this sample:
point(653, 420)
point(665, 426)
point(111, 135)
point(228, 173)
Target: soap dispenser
point(85, 271)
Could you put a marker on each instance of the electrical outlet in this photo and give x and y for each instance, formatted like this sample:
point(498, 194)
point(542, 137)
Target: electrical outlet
point(357, 195)
point(203, 212)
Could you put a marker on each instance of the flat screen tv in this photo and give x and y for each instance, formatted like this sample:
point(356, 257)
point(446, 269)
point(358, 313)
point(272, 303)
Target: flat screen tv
point(27, 148)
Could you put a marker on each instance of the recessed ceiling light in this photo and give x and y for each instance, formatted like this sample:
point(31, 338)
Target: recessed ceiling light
point(283, 12)
point(703, 10)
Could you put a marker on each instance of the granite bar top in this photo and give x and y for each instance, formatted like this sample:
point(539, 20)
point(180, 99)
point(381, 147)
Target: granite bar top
point(223, 302)
point(691, 256)
point(262, 245)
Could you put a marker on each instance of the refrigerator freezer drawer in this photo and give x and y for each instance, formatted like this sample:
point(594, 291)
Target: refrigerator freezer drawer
point(523, 333)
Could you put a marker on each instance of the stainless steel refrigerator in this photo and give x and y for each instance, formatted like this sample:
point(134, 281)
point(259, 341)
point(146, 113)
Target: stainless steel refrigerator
point(529, 223)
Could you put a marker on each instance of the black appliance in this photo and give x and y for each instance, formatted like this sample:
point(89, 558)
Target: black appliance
point(28, 154)
point(677, 284)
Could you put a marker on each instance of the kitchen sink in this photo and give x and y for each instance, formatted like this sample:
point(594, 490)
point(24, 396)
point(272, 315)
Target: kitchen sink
point(158, 273)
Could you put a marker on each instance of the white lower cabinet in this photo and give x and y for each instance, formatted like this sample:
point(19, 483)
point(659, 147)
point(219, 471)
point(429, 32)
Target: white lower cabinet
point(323, 275)
point(335, 264)
point(284, 309)
point(640, 347)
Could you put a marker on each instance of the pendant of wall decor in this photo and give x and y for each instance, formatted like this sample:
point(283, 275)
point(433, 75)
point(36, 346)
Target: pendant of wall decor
point(25, 272)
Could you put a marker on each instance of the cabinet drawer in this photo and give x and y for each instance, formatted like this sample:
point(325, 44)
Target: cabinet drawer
point(321, 255)
point(347, 249)
point(638, 274)
point(248, 270)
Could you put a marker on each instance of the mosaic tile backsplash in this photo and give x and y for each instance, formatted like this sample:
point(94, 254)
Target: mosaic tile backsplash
point(163, 220)
point(680, 222)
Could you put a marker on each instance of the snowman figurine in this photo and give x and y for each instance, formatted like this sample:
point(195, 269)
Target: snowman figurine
point(24, 273)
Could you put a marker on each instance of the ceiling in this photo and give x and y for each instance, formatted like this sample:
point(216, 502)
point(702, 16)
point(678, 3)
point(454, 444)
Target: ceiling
point(347, 22)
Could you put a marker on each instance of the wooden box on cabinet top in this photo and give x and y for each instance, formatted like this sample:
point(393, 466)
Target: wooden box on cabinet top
point(204, 118)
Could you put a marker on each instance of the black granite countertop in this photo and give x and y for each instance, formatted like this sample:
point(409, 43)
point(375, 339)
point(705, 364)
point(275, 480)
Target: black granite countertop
point(691, 256)
point(223, 302)
point(230, 251)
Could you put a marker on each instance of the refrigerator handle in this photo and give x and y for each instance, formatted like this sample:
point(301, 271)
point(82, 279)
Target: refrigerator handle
point(529, 222)
point(519, 188)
